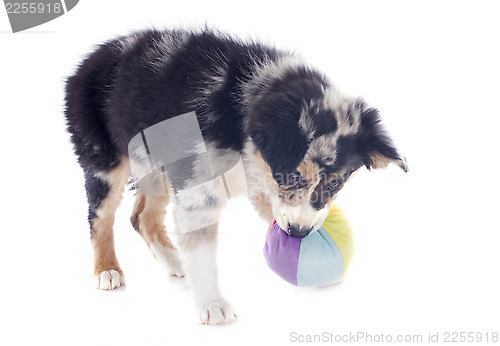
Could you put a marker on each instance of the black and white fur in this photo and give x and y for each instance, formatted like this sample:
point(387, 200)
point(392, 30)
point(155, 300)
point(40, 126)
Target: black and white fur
point(299, 137)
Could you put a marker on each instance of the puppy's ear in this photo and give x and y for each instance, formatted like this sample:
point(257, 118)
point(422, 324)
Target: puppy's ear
point(375, 146)
point(275, 131)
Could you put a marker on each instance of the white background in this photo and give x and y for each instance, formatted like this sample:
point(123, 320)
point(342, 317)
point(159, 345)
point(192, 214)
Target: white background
point(427, 242)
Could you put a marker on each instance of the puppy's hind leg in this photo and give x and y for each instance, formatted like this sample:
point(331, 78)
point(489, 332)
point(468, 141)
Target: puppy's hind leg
point(148, 219)
point(104, 193)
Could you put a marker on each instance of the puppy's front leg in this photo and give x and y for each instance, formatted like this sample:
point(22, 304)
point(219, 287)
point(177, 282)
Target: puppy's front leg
point(198, 249)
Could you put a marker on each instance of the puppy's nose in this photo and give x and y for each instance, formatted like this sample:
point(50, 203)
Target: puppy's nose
point(297, 231)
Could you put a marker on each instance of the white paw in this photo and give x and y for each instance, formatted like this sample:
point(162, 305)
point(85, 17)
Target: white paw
point(177, 273)
point(218, 312)
point(175, 269)
point(108, 280)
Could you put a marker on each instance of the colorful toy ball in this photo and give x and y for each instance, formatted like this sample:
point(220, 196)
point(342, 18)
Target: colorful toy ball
point(319, 259)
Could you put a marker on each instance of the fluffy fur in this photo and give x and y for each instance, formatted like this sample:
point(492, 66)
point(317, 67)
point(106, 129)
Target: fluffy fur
point(298, 136)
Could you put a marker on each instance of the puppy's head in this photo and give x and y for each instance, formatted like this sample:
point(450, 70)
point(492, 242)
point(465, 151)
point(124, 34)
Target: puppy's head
point(312, 138)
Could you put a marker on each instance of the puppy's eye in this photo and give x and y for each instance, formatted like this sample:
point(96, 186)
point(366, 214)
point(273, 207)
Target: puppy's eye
point(333, 185)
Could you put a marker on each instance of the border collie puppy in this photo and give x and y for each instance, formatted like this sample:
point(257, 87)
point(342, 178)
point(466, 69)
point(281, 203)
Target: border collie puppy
point(299, 139)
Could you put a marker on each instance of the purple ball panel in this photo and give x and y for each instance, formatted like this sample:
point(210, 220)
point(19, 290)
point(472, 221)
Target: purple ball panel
point(281, 252)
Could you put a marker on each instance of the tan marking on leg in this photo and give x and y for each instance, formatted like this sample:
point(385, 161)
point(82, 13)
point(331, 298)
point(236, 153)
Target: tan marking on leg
point(148, 218)
point(102, 225)
point(152, 218)
point(139, 204)
point(104, 249)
